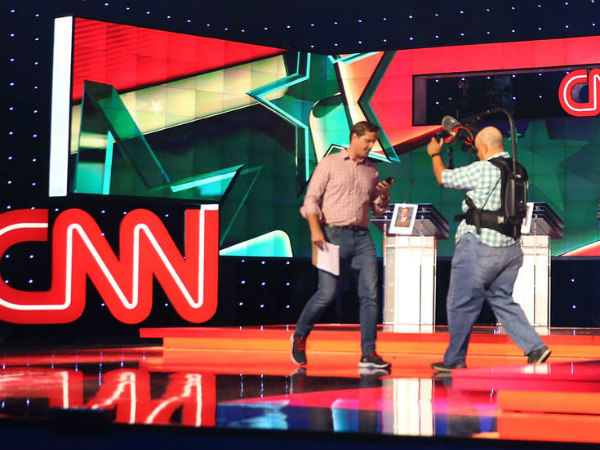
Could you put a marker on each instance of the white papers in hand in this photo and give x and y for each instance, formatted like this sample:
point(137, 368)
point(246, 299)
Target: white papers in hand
point(327, 259)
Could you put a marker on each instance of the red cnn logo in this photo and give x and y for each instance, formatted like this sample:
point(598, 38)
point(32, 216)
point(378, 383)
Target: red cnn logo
point(146, 250)
point(570, 89)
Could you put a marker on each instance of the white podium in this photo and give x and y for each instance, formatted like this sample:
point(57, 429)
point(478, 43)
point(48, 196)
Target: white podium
point(410, 268)
point(532, 287)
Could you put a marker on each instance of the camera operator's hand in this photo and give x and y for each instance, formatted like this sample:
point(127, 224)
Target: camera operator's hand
point(434, 149)
point(435, 146)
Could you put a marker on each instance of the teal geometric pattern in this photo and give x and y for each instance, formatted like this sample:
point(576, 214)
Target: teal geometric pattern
point(104, 114)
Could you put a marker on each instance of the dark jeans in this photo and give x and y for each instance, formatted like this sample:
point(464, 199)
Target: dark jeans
point(357, 254)
point(481, 272)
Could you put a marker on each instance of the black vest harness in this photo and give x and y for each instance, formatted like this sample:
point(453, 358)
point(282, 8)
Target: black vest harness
point(508, 218)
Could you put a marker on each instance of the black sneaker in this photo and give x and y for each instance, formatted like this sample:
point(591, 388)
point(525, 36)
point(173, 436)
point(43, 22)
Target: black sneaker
point(373, 361)
point(443, 367)
point(298, 350)
point(539, 355)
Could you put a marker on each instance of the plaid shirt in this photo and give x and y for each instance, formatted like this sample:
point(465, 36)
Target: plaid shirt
point(341, 191)
point(481, 181)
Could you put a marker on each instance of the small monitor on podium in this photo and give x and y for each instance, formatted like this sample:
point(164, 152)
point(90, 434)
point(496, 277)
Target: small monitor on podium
point(403, 218)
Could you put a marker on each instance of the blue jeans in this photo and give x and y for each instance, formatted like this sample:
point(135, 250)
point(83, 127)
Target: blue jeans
point(357, 254)
point(481, 272)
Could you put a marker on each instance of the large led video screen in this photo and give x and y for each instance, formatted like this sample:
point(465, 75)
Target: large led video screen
point(147, 113)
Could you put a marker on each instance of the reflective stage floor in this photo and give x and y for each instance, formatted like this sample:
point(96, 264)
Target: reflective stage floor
point(229, 379)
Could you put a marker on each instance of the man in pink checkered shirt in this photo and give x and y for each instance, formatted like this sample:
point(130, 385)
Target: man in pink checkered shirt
point(343, 189)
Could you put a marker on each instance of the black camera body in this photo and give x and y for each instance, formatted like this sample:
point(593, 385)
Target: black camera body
point(461, 135)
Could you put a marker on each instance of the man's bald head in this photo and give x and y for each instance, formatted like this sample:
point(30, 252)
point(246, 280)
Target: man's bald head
point(489, 141)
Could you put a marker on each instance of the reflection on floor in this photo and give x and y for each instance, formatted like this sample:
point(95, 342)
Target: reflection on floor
point(243, 378)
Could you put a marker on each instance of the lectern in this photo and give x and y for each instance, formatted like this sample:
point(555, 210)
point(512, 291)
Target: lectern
point(532, 287)
point(410, 268)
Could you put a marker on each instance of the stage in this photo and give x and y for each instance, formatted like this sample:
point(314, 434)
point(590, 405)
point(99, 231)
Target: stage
point(228, 384)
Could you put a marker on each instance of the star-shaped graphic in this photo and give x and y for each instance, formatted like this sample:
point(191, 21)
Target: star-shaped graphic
point(156, 107)
point(360, 75)
point(555, 177)
point(545, 159)
point(286, 110)
point(309, 98)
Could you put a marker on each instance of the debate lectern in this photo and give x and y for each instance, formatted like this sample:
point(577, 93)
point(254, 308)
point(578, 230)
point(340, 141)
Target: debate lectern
point(410, 268)
point(532, 287)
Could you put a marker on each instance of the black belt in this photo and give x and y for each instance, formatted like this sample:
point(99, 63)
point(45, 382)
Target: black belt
point(348, 227)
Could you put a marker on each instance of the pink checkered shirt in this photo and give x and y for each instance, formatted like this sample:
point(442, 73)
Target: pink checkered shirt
point(341, 191)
